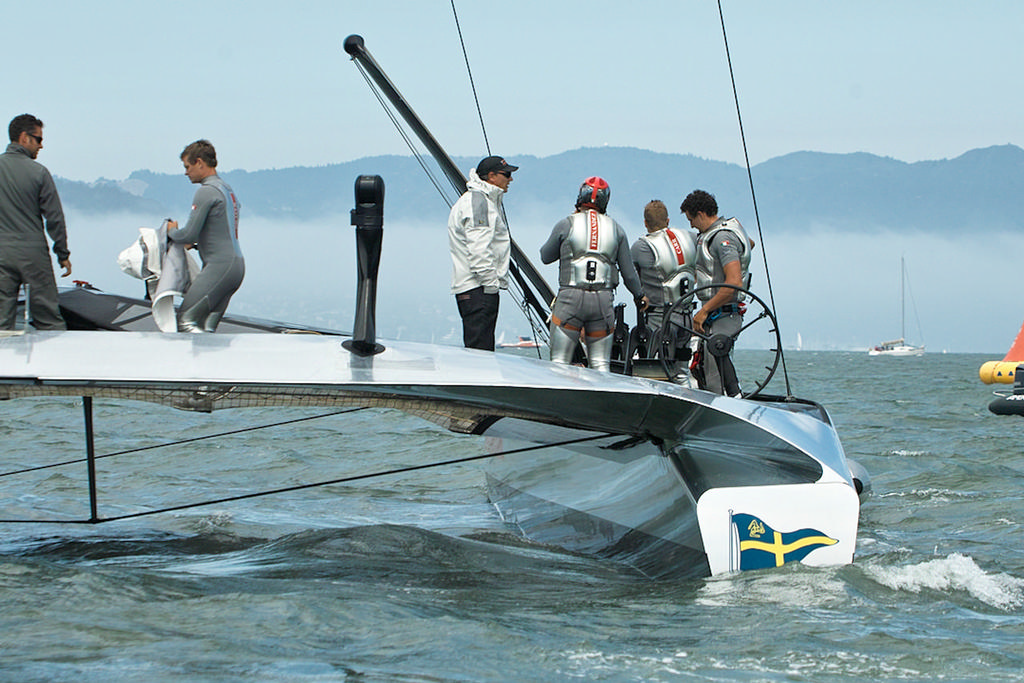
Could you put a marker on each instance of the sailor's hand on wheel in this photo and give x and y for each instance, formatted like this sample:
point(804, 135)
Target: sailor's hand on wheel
point(698, 320)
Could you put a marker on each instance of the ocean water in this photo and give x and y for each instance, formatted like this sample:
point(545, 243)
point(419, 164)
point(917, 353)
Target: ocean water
point(414, 577)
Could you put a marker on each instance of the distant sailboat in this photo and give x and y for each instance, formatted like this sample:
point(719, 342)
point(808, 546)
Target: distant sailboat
point(899, 347)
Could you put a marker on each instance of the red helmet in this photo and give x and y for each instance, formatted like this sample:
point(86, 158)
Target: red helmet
point(594, 194)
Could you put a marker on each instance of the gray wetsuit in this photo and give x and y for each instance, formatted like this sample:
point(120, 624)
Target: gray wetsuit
point(665, 260)
point(722, 243)
point(213, 228)
point(28, 196)
point(593, 252)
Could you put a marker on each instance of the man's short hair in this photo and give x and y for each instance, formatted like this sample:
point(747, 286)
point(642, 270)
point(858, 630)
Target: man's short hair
point(23, 123)
point(656, 214)
point(200, 149)
point(699, 201)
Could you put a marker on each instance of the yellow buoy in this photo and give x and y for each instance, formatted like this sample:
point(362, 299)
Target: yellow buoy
point(998, 372)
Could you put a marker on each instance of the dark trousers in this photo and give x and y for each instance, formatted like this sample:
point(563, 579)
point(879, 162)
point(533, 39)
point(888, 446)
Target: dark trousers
point(31, 266)
point(719, 371)
point(479, 313)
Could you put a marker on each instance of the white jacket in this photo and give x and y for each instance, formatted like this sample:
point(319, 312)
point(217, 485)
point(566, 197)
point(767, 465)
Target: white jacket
point(479, 239)
point(167, 271)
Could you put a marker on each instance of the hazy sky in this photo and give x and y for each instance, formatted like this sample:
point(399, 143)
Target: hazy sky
point(124, 85)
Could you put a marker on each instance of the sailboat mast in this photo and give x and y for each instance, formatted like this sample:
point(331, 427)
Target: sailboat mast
point(536, 291)
point(903, 300)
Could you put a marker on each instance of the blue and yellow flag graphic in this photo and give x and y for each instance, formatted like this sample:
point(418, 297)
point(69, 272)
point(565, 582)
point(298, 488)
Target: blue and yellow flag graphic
point(762, 546)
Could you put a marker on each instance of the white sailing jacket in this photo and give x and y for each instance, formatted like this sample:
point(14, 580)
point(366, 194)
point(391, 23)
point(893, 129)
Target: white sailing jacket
point(167, 270)
point(479, 238)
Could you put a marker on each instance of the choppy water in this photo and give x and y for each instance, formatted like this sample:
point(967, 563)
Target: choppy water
point(414, 578)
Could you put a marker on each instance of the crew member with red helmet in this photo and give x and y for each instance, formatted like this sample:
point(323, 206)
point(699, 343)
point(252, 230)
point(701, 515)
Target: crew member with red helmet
point(592, 253)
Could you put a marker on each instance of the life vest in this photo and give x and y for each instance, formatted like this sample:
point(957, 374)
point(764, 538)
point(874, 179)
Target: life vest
point(675, 255)
point(593, 248)
point(705, 265)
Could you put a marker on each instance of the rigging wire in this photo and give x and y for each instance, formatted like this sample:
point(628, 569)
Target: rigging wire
point(182, 441)
point(405, 135)
point(538, 327)
point(905, 276)
point(472, 84)
point(750, 178)
point(329, 482)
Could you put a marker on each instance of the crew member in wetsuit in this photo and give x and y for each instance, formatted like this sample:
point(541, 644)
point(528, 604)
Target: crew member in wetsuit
point(723, 257)
point(592, 251)
point(665, 258)
point(212, 228)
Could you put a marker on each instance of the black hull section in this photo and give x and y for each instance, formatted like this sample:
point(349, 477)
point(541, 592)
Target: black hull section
point(646, 473)
point(89, 309)
point(1010, 404)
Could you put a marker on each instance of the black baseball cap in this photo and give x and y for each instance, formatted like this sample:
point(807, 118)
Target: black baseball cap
point(494, 165)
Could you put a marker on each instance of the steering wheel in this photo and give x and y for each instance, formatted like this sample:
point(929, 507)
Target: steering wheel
point(759, 329)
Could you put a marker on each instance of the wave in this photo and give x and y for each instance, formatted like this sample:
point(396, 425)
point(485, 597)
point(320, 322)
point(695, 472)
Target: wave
point(956, 572)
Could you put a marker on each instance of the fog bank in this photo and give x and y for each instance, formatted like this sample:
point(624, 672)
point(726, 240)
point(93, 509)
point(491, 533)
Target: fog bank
point(834, 290)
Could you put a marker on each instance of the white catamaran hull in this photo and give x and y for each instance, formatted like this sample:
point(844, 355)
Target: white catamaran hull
point(677, 482)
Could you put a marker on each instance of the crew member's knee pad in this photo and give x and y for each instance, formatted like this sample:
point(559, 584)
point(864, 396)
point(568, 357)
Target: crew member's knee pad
point(212, 321)
point(193, 319)
point(562, 344)
point(599, 352)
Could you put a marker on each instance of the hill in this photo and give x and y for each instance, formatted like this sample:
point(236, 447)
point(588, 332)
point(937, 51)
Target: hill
point(795, 192)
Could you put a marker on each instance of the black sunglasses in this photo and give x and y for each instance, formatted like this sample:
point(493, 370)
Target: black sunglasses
point(37, 138)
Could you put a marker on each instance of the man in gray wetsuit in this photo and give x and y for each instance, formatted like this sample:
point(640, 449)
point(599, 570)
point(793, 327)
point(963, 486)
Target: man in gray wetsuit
point(592, 252)
point(664, 259)
point(28, 197)
point(723, 257)
point(212, 227)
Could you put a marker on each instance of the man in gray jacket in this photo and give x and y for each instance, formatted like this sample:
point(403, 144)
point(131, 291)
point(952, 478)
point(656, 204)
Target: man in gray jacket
point(28, 197)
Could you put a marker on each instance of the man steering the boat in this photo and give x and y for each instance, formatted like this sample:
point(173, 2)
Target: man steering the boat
point(723, 257)
point(664, 259)
point(592, 251)
point(481, 247)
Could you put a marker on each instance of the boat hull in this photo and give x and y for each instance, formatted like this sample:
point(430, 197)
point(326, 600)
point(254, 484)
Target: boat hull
point(1006, 403)
point(671, 510)
point(626, 503)
point(673, 481)
point(897, 351)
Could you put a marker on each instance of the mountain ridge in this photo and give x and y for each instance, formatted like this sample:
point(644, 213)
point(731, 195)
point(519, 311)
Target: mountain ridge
point(798, 191)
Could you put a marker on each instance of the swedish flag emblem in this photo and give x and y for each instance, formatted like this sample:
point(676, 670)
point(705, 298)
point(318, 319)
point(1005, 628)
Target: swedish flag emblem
point(762, 546)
